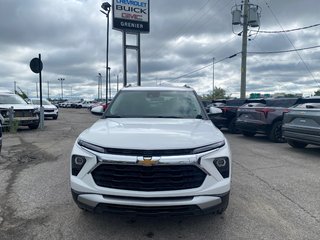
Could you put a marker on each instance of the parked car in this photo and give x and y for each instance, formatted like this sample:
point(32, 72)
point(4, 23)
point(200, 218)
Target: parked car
point(85, 104)
point(26, 114)
point(155, 151)
point(229, 113)
point(50, 110)
point(264, 118)
point(99, 109)
point(301, 126)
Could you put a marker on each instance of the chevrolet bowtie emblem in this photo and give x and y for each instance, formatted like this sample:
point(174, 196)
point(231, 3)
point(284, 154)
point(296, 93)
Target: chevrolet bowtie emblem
point(147, 162)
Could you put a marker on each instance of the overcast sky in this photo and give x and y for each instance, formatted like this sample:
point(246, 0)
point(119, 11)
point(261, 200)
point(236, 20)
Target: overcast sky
point(184, 37)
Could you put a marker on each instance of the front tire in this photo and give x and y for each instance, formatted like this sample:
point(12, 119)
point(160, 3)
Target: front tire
point(275, 134)
point(232, 126)
point(296, 144)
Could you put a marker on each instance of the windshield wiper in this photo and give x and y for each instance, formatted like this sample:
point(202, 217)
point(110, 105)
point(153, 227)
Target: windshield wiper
point(113, 116)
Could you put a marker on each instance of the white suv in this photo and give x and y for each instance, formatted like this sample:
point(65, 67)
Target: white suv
point(155, 151)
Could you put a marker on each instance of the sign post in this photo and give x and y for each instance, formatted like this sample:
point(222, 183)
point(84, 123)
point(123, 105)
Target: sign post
point(131, 17)
point(36, 66)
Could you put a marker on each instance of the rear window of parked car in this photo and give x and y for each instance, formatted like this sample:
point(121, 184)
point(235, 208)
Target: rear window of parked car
point(281, 102)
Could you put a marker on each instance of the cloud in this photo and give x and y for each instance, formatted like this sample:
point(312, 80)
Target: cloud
point(184, 36)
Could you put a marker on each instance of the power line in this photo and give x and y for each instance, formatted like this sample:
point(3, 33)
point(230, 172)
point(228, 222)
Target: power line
point(290, 30)
point(206, 66)
point(305, 64)
point(234, 55)
point(285, 51)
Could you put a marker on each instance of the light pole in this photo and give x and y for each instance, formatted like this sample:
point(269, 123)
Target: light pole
point(213, 79)
point(109, 77)
point(106, 7)
point(61, 82)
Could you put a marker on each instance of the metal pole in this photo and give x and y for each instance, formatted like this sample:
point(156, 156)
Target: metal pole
point(15, 87)
point(244, 51)
point(107, 57)
point(139, 60)
point(109, 77)
point(41, 107)
point(48, 90)
point(117, 82)
point(213, 79)
point(124, 39)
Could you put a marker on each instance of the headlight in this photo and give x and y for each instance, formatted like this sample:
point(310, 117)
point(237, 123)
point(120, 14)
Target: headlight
point(77, 162)
point(4, 113)
point(209, 147)
point(222, 165)
point(91, 146)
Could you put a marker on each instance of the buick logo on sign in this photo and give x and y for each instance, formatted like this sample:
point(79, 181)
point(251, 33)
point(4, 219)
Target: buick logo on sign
point(131, 15)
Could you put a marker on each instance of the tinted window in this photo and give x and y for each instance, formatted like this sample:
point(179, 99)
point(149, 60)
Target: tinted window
point(235, 102)
point(11, 99)
point(167, 104)
point(281, 102)
point(44, 102)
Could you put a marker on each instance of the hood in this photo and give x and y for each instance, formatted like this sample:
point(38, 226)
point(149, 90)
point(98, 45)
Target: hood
point(152, 134)
point(19, 106)
point(46, 106)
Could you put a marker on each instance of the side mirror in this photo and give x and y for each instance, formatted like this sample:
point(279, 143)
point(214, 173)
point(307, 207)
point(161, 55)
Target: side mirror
point(215, 110)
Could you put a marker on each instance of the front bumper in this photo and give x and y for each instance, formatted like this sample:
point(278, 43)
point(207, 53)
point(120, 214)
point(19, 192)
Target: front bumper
point(301, 134)
point(252, 126)
point(197, 205)
point(212, 195)
point(23, 121)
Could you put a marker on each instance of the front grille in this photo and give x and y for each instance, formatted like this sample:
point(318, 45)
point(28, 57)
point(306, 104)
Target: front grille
point(148, 211)
point(48, 110)
point(137, 152)
point(148, 178)
point(23, 113)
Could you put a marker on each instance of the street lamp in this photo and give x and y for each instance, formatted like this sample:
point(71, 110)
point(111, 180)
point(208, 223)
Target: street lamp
point(106, 7)
point(109, 77)
point(61, 81)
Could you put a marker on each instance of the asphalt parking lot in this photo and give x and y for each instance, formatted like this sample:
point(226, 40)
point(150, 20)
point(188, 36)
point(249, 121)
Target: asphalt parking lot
point(275, 192)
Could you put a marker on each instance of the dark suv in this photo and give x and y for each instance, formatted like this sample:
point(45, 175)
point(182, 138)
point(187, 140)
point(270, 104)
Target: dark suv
point(229, 113)
point(265, 118)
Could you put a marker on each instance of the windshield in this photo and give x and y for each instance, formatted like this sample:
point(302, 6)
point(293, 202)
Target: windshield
point(155, 104)
point(44, 102)
point(11, 99)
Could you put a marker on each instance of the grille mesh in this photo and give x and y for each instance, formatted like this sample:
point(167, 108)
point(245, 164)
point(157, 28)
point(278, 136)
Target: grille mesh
point(151, 178)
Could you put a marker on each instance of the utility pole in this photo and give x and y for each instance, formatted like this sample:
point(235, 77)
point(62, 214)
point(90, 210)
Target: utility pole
point(247, 15)
point(15, 87)
point(244, 51)
point(213, 79)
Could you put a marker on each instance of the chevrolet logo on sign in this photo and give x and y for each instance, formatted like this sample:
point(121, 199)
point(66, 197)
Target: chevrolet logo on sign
point(147, 161)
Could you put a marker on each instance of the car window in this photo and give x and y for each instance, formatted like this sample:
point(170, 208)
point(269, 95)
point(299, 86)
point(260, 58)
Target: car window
point(11, 99)
point(44, 102)
point(166, 104)
point(308, 105)
point(281, 102)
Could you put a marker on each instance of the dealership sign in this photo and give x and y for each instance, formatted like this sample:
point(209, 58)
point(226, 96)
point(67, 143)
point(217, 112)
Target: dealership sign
point(131, 15)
